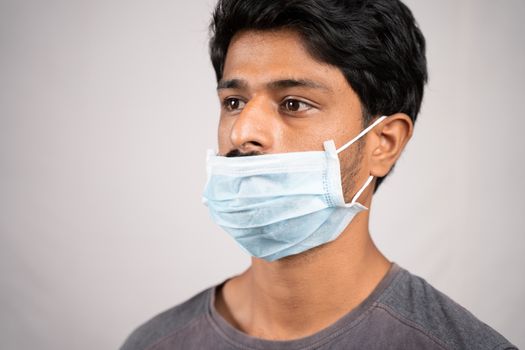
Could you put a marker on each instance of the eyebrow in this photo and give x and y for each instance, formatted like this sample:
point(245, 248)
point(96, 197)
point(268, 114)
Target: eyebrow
point(232, 84)
point(273, 85)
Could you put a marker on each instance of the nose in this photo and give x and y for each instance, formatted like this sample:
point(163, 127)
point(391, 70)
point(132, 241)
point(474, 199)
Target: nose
point(256, 127)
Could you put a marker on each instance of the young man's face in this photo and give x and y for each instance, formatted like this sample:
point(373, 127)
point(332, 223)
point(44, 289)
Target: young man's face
point(276, 98)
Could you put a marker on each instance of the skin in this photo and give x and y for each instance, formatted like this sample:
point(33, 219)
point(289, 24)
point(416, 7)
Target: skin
point(277, 98)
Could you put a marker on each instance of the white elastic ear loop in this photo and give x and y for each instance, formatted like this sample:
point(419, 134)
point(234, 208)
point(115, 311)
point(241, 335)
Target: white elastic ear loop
point(370, 127)
point(356, 197)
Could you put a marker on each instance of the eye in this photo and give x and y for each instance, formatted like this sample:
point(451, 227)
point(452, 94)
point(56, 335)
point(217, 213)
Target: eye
point(233, 104)
point(293, 105)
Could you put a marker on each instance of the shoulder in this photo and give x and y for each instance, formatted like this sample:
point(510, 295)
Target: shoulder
point(168, 322)
point(413, 301)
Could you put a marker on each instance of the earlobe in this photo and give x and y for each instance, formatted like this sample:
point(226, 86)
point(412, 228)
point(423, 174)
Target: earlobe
point(392, 136)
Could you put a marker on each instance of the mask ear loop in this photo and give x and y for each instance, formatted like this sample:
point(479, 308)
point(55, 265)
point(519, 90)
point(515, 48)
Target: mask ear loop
point(348, 144)
point(360, 192)
point(370, 127)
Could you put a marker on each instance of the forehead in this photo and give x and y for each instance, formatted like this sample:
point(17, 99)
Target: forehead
point(261, 56)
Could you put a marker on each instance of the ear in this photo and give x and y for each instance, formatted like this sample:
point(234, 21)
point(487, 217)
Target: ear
point(390, 139)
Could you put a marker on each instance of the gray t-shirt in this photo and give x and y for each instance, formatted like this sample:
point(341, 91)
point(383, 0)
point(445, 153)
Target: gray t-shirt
point(403, 312)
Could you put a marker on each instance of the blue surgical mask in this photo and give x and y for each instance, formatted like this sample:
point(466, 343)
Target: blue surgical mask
point(276, 205)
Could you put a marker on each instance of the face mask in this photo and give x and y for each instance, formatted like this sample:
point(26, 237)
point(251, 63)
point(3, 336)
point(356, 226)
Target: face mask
point(276, 205)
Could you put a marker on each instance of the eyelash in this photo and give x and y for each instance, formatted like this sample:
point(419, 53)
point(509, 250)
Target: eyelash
point(227, 104)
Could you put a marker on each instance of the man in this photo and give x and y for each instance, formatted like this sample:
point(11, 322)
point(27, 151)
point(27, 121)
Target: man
point(319, 99)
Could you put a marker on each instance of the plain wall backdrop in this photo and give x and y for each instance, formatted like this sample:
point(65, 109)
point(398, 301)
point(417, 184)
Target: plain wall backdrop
point(107, 108)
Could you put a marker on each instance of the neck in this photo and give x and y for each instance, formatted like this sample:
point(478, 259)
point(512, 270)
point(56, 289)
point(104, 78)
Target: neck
point(299, 295)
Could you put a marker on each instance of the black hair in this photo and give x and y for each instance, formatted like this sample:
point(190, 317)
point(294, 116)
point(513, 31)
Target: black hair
point(376, 44)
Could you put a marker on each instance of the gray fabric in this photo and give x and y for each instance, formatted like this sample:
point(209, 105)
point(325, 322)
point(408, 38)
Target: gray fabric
point(403, 312)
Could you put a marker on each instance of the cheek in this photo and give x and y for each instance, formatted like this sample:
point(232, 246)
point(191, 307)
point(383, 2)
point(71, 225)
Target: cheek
point(223, 135)
point(307, 134)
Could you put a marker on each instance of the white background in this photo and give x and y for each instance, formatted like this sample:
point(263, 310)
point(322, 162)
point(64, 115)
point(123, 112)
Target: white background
point(107, 108)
